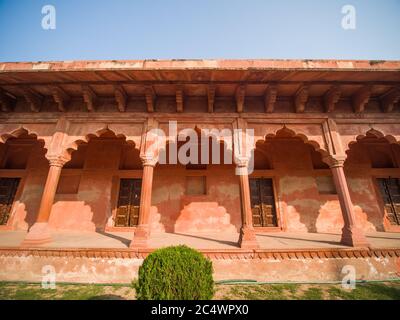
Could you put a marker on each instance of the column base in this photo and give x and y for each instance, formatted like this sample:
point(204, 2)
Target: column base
point(140, 238)
point(38, 234)
point(353, 237)
point(247, 239)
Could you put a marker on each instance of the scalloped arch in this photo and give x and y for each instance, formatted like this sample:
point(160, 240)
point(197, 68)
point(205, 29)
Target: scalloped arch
point(376, 133)
point(294, 134)
point(73, 146)
point(16, 133)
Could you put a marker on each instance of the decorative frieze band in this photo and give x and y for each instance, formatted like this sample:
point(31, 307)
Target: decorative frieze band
point(236, 254)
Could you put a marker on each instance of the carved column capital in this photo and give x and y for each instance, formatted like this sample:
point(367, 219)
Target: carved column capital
point(57, 161)
point(148, 160)
point(335, 161)
point(241, 162)
point(242, 166)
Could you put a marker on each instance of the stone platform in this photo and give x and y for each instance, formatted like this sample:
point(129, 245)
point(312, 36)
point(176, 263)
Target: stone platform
point(100, 257)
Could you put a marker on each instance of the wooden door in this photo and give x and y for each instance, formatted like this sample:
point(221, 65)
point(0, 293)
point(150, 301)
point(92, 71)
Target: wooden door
point(390, 191)
point(128, 203)
point(263, 203)
point(8, 189)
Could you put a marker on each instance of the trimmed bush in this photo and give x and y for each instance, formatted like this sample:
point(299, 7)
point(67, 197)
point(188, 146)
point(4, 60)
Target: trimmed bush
point(175, 273)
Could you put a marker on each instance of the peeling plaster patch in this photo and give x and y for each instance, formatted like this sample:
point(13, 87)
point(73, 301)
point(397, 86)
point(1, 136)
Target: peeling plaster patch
point(161, 194)
point(31, 192)
point(228, 190)
point(90, 195)
point(306, 203)
point(360, 186)
point(289, 185)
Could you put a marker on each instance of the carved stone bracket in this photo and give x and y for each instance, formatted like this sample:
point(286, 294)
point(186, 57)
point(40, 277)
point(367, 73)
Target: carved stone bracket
point(210, 97)
point(89, 97)
point(179, 99)
point(331, 98)
point(389, 99)
point(5, 101)
point(361, 98)
point(270, 98)
point(60, 97)
point(240, 96)
point(121, 98)
point(301, 98)
point(150, 98)
point(34, 99)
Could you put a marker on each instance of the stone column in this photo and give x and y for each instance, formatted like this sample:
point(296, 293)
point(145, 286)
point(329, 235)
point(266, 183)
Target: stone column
point(142, 232)
point(247, 239)
point(351, 234)
point(39, 233)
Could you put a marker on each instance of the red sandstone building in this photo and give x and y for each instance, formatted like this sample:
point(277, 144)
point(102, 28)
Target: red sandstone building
point(77, 178)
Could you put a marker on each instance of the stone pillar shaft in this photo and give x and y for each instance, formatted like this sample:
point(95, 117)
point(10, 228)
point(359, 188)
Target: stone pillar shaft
point(247, 238)
point(247, 218)
point(39, 233)
point(49, 193)
point(351, 234)
point(145, 196)
point(142, 232)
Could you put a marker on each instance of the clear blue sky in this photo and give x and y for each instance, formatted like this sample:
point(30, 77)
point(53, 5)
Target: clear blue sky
point(199, 29)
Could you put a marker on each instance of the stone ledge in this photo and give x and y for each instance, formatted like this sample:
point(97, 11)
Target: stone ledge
point(214, 254)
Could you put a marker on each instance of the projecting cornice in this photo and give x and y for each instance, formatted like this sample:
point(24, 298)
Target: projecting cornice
point(240, 86)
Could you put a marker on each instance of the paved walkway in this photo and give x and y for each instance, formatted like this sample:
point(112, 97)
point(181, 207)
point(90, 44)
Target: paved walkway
point(275, 240)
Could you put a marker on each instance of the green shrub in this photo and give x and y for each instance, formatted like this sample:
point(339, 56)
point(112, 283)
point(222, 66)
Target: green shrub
point(175, 273)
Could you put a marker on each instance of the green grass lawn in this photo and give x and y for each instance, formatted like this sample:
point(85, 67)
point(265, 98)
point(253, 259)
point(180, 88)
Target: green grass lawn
point(374, 291)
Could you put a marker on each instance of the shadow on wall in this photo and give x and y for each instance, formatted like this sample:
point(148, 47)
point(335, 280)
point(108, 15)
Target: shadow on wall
point(26, 153)
point(308, 211)
point(302, 207)
point(83, 199)
point(196, 197)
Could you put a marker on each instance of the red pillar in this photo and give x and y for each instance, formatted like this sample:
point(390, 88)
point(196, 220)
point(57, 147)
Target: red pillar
point(39, 233)
point(247, 239)
point(142, 232)
point(351, 234)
